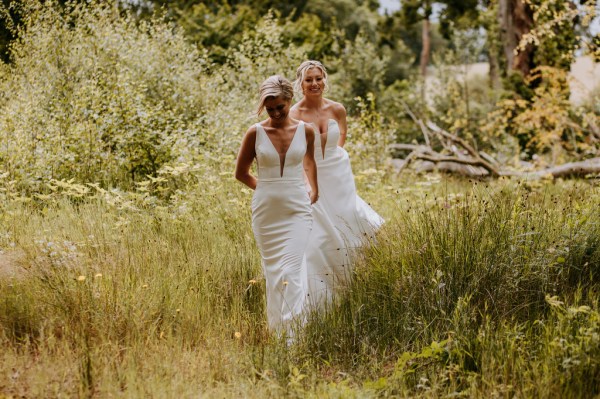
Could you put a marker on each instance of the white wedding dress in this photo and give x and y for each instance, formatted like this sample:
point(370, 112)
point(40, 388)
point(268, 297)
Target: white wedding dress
point(282, 221)
point(342, 221)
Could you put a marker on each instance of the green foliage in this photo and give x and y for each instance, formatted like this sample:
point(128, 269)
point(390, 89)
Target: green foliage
point(459, 15)
point(594, 48)
point(546, 123)
point(96, 97)
point(558, 26)
point(368, 139)
point(349, 15)
point(454, 15)
point(358, 71)
point(393, 103)
point(315, 24)
point(8, 25)
point(216, 28)
point(559, 42)
point(400, 29)
point(312, 34)
point(459, 99)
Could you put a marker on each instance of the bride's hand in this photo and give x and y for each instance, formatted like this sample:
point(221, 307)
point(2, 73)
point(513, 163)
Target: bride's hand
point(314, 197)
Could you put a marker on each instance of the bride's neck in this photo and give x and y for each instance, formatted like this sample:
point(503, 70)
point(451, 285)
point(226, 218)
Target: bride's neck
point(281, 123)
point(314, 102)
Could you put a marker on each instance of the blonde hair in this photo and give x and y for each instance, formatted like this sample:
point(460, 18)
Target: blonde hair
point(301, 73)
point(273, 87)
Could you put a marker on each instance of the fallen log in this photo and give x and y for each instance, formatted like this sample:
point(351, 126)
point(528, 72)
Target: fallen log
point(571, 169)
point(579, 169)
point(458, 156)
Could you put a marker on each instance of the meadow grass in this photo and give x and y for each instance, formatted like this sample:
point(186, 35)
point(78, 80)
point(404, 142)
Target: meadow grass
point(147, 281)
point(471, 288)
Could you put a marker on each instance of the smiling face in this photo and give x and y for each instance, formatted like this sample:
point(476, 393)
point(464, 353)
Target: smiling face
point(278, 107)
point(313, 83)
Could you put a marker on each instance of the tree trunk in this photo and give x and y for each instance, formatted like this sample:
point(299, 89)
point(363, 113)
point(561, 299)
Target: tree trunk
point(492, 24)
point(426, 38)
point(516, 20)
point(506, 26)
point(494, 73)
point(522, 24)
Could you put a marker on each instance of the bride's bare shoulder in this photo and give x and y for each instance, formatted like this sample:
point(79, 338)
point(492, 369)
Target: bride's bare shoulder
point(251, 130)
point(337, 109)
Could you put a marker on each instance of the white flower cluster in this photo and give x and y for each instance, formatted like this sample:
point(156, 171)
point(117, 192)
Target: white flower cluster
point(60, 253)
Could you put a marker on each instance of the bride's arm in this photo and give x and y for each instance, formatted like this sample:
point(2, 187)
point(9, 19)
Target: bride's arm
point(310, 166)
point(245, 158)
point(341, 117)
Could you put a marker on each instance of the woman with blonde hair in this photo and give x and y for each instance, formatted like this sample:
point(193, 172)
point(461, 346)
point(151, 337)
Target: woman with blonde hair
point(281, 208)
point(342, 221)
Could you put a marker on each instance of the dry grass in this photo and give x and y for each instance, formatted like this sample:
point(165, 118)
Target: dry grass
point(155, 303)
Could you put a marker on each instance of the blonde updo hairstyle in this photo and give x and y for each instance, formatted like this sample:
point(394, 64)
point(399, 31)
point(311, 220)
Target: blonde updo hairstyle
point(273, 87)
point(301, 73)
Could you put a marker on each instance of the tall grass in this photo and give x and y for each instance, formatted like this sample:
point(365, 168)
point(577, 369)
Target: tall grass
point(458, 267)
point(128, 266)
point(470, 289)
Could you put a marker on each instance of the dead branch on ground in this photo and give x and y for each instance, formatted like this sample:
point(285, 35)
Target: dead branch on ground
point(458, 156)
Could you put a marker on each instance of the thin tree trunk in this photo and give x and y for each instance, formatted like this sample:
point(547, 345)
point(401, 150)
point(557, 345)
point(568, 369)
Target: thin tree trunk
point(426, 38)
point(494, 73)
point(492, 25)
point(506, 29)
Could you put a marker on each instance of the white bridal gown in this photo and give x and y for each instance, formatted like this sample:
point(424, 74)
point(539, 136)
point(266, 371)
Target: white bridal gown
point(282, 221)
point(342, 221)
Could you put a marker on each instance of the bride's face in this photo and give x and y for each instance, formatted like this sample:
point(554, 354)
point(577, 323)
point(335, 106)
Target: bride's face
point(278, 108)
point(313, 83)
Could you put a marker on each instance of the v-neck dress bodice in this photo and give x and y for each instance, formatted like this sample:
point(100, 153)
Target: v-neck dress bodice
point(269, 161)
point(342, 221)
point(282, 222)
point(330, 149)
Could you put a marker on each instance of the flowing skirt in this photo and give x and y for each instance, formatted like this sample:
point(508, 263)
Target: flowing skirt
point(342, 223)
point(282, 222)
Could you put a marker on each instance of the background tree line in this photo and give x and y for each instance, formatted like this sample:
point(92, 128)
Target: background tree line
point(321, 25)
point(379, 66)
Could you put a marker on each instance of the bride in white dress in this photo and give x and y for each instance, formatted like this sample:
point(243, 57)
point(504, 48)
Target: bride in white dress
point(281, 208)
point(342, 221)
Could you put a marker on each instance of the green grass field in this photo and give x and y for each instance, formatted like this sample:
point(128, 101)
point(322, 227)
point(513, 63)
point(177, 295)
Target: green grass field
point(472, 289)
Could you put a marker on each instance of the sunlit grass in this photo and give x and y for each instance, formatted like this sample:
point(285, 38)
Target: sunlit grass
point(471, 287)
point(128, 267)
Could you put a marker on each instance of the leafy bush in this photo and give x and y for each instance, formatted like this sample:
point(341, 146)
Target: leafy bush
point(547, 124)
point(94, 96)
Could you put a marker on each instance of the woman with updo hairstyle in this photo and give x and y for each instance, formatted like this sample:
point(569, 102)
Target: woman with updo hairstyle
point(281, 207)
point(342, 221)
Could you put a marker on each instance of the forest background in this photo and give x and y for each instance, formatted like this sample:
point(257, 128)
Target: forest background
point(127, 263)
